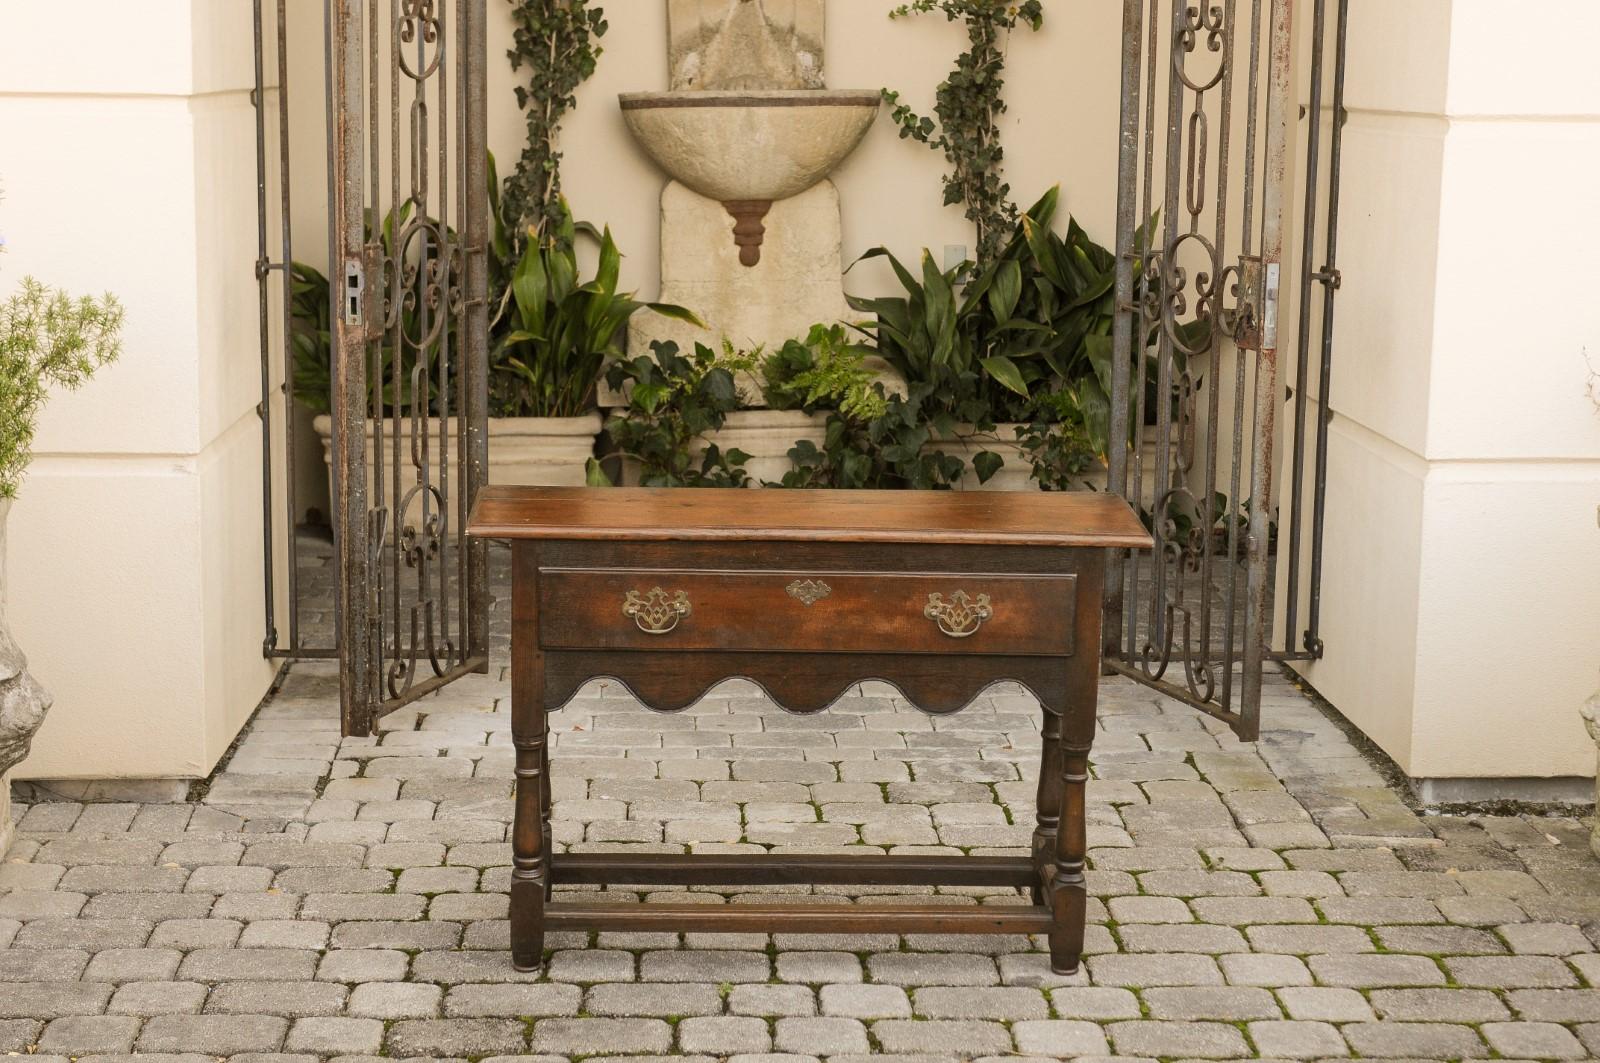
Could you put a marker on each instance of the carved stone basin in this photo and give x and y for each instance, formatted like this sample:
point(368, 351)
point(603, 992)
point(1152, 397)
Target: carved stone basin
point(746, 149)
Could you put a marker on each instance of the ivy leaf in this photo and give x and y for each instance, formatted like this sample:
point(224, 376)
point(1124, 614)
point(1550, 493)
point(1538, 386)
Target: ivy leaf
point(986, 464)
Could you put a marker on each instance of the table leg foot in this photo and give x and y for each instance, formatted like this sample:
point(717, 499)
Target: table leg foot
point(527, 925)
point(1069, 901)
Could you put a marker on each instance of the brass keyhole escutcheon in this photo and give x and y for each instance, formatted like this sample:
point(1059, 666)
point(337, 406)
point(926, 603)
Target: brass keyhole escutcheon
point(808, 591)
point(656, 612)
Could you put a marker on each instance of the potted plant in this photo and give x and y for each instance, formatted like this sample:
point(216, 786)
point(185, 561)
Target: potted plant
point(1013, 360)
point(674, 402)
point(801, 384)
point(550, 344)
point(550, 337)
point(47, 339)
point(964, 401)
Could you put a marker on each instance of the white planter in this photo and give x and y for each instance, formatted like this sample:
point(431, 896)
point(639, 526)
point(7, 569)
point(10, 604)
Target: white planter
point(23, 702)
point(524, 451)
point(1015, 475)
point(767, 436)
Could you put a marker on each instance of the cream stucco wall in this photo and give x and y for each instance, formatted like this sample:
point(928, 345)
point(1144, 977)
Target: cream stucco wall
point(1061, 127)
point(1461, 604)
point(127, 159)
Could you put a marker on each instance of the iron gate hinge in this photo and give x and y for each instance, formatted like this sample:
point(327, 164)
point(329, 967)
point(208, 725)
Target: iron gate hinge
point(1330, 276)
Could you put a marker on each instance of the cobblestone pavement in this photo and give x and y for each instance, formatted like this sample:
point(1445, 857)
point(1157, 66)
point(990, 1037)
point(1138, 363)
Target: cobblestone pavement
point(331, 898)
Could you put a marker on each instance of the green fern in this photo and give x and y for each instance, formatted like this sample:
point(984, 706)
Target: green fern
point(47, 339)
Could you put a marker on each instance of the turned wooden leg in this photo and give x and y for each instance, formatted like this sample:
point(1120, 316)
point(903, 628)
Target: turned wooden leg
point(547, 837)
point(1049, 807)
point(529, 854)
point(1069, 896)
point(530, 734)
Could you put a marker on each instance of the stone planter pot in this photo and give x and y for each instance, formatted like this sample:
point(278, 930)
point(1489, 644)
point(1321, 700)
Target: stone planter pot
point(1015, 475)
point(23, 702)
point(524, 451)
point(767, 436)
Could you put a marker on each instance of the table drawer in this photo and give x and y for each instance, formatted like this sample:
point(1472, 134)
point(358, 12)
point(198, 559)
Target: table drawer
point(807, 612)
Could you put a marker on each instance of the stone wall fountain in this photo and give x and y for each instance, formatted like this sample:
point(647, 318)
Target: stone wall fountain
point(750, 235)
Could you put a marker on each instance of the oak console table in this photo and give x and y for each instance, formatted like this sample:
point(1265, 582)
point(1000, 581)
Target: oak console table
point(806, 593)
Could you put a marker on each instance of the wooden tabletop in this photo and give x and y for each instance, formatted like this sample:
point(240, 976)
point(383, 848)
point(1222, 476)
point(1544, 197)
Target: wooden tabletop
point(624, 514)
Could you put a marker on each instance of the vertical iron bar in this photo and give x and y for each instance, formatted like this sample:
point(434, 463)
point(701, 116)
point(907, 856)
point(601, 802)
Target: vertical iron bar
point(349, 370)
point(1123, 348)
point(1165, 346)
point(451, 530)
point(1214, 366)
point(286, 226)
point(269, 643)
point(398, 503)
point(1141, 334)
point(1302, 389)
point(1241, 366)
point(1280, 90)
point(1330, 286)
point(475, 350)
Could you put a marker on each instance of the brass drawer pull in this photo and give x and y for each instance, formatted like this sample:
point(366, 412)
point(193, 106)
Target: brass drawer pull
point(657, 612)
point(960, 617)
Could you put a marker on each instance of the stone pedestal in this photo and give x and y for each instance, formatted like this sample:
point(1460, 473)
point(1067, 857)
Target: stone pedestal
point(798, 282)
point(7, 828)
point(23, 703)
point(1591, 720)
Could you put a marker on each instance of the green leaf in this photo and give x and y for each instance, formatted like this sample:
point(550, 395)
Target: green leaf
point(647, 395)
point(986, 464)
point(1005, 371)
point(676, 312)
point(530, 287)
point(594, 475)
point(610, 265)
point(1006, 289)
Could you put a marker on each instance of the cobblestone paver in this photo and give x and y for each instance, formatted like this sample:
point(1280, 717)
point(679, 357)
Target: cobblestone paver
point(332, 898)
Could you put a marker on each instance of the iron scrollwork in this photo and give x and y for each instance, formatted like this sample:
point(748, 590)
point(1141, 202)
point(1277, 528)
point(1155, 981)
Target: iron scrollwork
point(656, 612)
point(1200, 183)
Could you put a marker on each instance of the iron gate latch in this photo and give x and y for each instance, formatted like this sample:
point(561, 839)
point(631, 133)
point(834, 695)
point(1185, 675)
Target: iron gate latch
point(354, 285)
point(1259, 283)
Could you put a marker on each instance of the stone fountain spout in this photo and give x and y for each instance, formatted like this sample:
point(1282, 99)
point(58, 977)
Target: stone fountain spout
point(750, 231)
point(735, 45)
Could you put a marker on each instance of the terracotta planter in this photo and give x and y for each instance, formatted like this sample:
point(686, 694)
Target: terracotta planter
point(529, 451)
point(23, 702)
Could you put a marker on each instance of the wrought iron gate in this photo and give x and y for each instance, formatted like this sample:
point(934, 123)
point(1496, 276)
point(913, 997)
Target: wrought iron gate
point(1206, 138)
point(409, 228)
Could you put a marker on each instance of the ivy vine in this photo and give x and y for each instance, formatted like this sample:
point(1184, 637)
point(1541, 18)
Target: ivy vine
point(968, 106)
point(556, 41)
